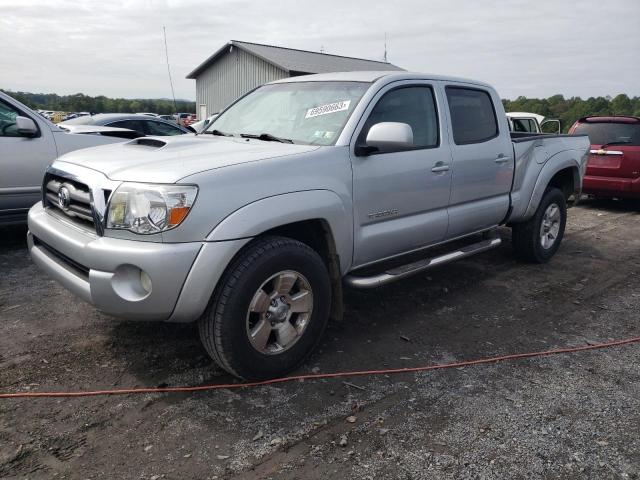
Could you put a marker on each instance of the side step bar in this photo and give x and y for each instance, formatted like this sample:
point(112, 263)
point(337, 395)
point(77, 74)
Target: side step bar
point(405, 271)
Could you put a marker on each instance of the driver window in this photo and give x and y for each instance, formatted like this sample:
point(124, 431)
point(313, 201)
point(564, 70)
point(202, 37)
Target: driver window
point(8, 126)
point(414, 106)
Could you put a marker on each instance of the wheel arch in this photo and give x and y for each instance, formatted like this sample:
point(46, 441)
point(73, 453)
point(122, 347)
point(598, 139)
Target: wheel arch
point(563, 174)
point(298, 212)
point(317, 218)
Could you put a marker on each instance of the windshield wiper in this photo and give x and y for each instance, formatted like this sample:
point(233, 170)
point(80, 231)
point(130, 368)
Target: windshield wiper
point(219, 133)
point(267, 137)
point(617, 142)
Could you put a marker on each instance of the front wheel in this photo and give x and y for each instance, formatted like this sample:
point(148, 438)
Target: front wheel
point(538, 239)
point(269, 310)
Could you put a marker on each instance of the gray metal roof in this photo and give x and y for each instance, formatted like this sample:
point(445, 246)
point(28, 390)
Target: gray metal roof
point(298, 61)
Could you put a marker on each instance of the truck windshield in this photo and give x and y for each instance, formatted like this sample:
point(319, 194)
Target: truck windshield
point(312, 113)
point(610, 133)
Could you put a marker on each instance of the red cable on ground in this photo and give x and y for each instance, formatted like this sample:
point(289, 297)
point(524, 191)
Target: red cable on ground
point(358, 373)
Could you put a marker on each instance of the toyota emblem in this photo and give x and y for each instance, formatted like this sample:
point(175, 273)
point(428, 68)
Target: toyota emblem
point(64, 198)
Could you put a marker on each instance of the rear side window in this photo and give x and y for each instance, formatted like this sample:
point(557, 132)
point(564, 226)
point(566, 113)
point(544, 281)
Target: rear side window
point(607, 133)
point(473, 117)
point(136, 125)
point(412, 105)
point(524, 125)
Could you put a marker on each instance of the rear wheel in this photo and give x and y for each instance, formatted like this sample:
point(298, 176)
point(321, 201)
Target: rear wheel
point(539, 238)
point(269, 310)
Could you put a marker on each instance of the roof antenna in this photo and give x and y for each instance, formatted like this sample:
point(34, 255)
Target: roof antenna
point(166, 51)
point(321, 48)
point(385, 47)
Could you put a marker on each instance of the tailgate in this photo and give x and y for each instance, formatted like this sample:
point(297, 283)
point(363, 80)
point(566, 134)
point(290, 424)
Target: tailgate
point(621, 161)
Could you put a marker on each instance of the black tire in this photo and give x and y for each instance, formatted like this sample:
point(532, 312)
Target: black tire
point(224, 325)
point(526, 236)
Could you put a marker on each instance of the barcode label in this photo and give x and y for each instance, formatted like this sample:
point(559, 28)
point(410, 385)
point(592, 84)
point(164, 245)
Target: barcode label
point(330, 108)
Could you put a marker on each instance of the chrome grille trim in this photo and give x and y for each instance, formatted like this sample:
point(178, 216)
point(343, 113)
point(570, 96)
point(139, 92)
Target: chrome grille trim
point(80, 199)
point(89, 193)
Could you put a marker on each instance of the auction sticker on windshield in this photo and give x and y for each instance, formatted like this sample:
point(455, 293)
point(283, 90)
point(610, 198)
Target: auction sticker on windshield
point(329, 108)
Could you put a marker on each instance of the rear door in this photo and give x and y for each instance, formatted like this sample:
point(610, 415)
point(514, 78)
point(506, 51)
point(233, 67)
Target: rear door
point(483, 163)
point(401, 197)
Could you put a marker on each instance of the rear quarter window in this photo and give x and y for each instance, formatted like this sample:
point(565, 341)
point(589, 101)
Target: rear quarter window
point(473, 118)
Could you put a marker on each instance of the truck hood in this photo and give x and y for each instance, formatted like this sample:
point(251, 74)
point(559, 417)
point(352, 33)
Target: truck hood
point(168, 159)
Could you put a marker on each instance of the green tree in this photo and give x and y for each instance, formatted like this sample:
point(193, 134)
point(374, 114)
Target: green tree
point(84, 103)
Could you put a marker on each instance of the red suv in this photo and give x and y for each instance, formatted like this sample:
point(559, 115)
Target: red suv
point(613, 169)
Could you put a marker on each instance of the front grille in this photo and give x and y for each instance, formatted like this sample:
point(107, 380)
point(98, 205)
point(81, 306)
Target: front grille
point(77, 208)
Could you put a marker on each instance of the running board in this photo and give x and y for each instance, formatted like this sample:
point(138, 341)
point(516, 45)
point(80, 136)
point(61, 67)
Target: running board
point(405, 271)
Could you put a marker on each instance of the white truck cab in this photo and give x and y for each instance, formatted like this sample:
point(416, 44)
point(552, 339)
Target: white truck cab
point(533, 123)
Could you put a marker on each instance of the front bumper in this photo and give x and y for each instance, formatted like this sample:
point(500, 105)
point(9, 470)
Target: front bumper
point(106, 272)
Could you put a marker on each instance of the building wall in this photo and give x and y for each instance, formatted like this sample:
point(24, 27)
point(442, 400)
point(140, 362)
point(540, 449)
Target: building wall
point(230, 77)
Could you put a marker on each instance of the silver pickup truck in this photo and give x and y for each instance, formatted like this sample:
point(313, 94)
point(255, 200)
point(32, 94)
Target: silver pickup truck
point(302, 186)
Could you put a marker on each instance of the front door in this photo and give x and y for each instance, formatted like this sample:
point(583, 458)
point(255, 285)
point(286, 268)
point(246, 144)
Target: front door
point(401, 197)
point(22, 163)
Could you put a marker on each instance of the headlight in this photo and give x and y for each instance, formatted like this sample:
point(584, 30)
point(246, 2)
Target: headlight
point(147, 208)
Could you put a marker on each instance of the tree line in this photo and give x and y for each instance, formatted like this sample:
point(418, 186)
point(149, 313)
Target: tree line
point(568, 110)
point(100, 104)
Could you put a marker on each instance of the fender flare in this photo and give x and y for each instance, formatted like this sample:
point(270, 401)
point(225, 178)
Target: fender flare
point(548, 171)
point(265, 214)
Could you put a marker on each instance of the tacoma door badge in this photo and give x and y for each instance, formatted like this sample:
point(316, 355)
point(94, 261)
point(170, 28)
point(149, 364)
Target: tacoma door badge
point(384, 213)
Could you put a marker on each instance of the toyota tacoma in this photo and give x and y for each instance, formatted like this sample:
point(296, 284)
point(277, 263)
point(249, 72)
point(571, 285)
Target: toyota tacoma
point(299, 188)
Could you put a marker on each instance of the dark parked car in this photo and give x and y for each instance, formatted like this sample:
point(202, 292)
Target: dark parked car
point(143, 124)
point(614, 162)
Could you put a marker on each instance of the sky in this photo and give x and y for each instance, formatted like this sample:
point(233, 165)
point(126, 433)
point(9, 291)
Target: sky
point(535, 48)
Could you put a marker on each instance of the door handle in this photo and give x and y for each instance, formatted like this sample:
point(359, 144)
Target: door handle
point(502, 158)
point(440, 167)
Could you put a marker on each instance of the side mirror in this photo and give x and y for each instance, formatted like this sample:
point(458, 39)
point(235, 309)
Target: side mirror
point(551, 126)
point(387, 136)
point(26, 127)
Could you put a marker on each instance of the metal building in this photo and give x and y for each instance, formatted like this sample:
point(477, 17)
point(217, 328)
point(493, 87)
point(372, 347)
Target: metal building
point(238, 67)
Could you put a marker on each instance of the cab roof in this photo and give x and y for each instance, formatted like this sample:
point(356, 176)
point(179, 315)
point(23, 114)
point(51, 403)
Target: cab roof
point(372, 76)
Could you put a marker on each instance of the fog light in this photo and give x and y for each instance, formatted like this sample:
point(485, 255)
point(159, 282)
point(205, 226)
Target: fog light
point(131, 283)
point(145, 281)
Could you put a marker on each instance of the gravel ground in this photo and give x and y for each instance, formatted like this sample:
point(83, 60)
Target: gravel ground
point(566, 416)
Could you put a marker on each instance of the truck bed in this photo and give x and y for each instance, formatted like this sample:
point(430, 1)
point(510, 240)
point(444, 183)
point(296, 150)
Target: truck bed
point(537, 157)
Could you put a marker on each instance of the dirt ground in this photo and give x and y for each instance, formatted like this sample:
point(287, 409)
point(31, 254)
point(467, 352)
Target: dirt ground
point(568, 416)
